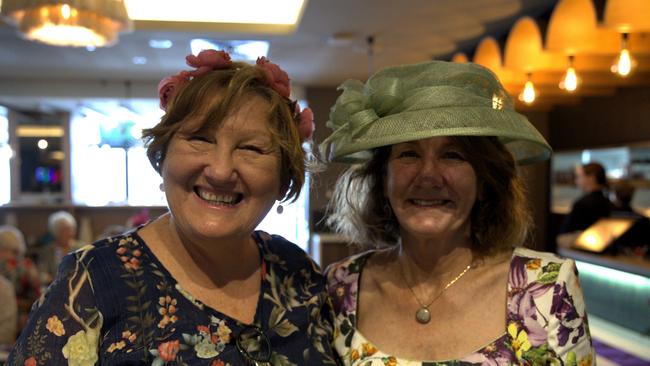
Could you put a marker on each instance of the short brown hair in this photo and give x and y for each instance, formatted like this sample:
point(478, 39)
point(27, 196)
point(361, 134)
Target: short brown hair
point(597, 171)
point(211, 96)
point(499, 218)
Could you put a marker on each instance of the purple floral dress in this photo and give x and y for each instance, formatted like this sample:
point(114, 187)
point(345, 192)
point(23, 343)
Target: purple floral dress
point(546, 319)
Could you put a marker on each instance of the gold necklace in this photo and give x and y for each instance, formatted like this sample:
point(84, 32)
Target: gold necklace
point(423, 315)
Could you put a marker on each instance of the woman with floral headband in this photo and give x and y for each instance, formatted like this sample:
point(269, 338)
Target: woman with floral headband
point(438, 196)
point(198, 285)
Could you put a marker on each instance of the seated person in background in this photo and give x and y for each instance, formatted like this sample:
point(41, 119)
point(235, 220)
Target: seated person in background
point(623, 194)
point(19, 270)
point(594, 204)
point(59, 241)
point(8, 313)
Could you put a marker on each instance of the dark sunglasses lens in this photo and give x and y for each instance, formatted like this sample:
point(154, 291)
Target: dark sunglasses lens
point(254, 345)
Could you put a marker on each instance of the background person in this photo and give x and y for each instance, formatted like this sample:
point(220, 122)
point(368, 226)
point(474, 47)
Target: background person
point(438, 189)
point(594, 204)
point(198, 286)
point(59, 241)
point(8, 314)
point(19, 270)
point(622, 200)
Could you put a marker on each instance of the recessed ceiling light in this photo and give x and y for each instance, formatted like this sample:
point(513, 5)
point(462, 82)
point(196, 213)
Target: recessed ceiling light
point(139, 60)
point(160, 43)
point(239, 50)
point(242, 11)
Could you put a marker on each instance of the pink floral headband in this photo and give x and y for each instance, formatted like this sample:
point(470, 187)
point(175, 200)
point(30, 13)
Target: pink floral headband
point(209, 60)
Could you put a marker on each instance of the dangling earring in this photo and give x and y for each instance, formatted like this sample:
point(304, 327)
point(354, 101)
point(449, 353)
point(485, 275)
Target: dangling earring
point(279, 209)
point(161, 187)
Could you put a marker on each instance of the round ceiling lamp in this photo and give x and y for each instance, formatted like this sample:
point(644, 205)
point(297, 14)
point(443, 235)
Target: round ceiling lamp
point(74, 23)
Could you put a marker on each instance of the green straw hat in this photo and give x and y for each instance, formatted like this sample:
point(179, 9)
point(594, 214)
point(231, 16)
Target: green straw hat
point(436, 98)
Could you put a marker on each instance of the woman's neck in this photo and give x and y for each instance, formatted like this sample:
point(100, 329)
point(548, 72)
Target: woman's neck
point(210, 263)
point(435, 254)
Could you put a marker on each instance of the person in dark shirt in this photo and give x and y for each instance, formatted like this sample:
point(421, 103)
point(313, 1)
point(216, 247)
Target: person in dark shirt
point(594, 204)
point(622, 205)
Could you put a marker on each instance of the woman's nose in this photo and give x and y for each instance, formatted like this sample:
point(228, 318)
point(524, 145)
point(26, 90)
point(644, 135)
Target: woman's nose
point(430, 173)
point(220, 166)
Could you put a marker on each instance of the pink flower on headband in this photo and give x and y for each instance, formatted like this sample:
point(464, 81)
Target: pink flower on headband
point(275, 77)
point(169, 86)
point(306, 124)
point(208, 60)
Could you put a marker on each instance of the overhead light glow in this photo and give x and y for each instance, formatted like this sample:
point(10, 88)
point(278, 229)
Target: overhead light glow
point(624, 63)
point(42, 144)
point(281, 12)
point(239, 50)
point(63, 23)
point(529, 94)
point(39, 131)
point(570, 80)
point(160, 43)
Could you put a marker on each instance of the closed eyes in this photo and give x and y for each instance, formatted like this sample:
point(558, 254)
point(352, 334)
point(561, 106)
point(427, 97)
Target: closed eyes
point(253, 148)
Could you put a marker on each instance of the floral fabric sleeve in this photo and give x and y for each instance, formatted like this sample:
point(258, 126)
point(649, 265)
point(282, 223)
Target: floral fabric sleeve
point(547, 321)
point(568, 330)
point(64, 326)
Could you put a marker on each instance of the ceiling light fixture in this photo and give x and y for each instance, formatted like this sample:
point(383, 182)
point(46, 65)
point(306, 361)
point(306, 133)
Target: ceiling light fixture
point(247, 16)
point(624, 63)
point(42, 144)
point(39, 131)
point(570, 80)
point(79, 23)
point(529, 94)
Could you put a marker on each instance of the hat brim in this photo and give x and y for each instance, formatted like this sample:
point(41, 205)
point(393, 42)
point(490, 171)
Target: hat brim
point(513, 129)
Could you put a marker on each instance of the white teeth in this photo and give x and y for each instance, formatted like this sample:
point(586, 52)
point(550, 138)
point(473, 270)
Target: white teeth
point(213, 198)
point(429, 202)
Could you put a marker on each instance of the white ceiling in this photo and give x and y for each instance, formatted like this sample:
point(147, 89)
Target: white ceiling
point(406, 31)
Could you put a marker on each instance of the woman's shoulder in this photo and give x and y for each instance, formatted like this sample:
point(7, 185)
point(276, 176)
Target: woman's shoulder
point(350, 265)
point(103, 255)
point(544, 268)
point(288, 255)
point(526, 253)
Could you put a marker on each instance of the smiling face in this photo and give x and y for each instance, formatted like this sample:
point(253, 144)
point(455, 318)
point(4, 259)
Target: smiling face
point(221, 180)
point(431, 188)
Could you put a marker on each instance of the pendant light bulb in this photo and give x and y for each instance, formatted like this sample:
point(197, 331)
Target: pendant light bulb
point(624, 63)
point(529, 93)
point(570, 80)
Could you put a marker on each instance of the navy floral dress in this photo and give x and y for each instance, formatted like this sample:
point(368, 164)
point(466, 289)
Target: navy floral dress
point(546, 318)
point(113, 303)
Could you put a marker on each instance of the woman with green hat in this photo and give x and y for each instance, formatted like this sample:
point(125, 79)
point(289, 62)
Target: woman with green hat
point(436, 196)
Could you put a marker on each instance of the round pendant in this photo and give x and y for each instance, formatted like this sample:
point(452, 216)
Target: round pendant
point(423, 316)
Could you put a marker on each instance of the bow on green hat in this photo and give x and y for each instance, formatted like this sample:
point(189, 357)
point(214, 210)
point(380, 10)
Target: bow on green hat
point(436, 98)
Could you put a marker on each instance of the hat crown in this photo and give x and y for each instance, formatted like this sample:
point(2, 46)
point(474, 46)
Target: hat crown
point(434, 98)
